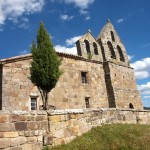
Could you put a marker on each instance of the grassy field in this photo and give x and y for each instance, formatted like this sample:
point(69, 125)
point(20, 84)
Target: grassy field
point(111, 137)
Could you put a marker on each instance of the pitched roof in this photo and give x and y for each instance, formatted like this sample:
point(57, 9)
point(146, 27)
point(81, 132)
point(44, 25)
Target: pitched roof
point(29, 56)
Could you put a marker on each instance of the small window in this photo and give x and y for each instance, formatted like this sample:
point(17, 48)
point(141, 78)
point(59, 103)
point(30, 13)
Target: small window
point(95, 48)
point(131, 106)
point(112, 52)
point(84, 77)
point(112, 36)
point(87, 45)
point(120, 53)
point(87, 102)
point(33, 103)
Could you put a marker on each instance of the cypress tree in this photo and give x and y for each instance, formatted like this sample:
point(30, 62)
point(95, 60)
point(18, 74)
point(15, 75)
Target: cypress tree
point(45, 64)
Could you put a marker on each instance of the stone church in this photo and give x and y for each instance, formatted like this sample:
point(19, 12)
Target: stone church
point(99, 76)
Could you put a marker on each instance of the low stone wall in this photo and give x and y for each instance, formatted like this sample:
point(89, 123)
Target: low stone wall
point(65, 125)
point(20, 130)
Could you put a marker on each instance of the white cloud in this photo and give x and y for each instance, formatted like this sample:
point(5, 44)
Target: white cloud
point(23, 52)
point(12, 9)
point(64, 49)
point(145, 91)
point(69, 42)
point(72, 41)
point(147, 96)
point(88, 18)
point(84, 11)
point(141, 74)
point(142, 68)
point(83, 4)
point(141, 65)
point(144, 88)
point(66, 17)
point(120, 20)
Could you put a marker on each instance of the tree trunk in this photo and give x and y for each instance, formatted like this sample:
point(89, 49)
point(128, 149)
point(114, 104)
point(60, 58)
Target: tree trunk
point(46, 100)
point(44, 96)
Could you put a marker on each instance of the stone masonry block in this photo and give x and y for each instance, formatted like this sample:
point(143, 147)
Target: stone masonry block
point(33, 125)
point(18, 141)
point(6, 127)
point(43, 125)
point(73, 116)
point(32, 139)
point(4, 142)
point(10, 134)
point(22, 118)
point(1, 134)
point(20, 126)
point(68, 132)
point(56, 118)
point(30, 118)
point(30, 146)
point(40, 138)
point(14, 118)
point(4, 119)
point(59, 142)
point(48, 139)
point(58, 133)
point(41, 118)
point(16, 148)
point(29, 133)
point(75, 130)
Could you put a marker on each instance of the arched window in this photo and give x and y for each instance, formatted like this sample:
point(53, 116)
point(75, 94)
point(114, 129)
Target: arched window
point(87, 45)
point(131, 106)
point(112, 36)
point(120, 53)
point(95, 48)
point(113, 55)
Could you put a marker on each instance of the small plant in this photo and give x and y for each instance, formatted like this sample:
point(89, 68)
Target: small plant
point(129, 63)
point(90, 55)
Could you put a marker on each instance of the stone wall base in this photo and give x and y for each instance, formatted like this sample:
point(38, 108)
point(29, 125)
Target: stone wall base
point(21, 130)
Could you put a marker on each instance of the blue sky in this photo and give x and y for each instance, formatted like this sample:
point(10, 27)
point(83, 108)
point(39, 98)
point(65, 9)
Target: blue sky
point(68, 20)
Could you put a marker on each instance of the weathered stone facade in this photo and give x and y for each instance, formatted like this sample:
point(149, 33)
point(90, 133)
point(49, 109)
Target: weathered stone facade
point(100, 74)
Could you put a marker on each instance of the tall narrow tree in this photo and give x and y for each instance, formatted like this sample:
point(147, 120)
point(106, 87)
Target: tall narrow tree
point(45, 64)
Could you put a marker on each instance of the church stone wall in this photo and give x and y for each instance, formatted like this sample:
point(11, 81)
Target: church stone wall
point(124, 86)
point(16, 85)
point(69, 92)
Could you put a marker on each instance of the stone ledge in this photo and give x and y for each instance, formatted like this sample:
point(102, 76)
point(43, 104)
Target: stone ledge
point(20, 112)
point(81, 111)
point(67, 111)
